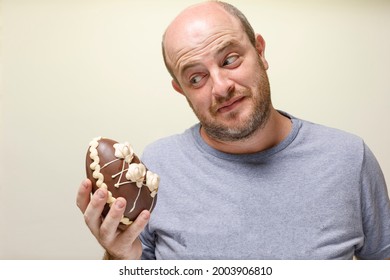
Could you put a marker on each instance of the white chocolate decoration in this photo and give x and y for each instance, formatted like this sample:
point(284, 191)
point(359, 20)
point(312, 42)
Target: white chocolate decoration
point(125, 151)
point(135, 173)
point(152, 181)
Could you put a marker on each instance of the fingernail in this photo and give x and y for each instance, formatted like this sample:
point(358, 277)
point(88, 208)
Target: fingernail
point(144, 215)
point(100, 193)
point(119, 204)
point(85, 184)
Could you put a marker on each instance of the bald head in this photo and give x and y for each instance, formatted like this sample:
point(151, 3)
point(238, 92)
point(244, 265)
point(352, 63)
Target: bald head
point(192, 24)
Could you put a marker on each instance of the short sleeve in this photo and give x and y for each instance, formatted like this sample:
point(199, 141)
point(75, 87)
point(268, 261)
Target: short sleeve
point(148, 244)
point(375, 207)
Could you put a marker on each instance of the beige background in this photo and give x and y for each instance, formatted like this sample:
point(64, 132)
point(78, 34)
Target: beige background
point(75, 69)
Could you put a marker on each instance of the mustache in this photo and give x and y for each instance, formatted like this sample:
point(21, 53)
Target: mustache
point(220, 100)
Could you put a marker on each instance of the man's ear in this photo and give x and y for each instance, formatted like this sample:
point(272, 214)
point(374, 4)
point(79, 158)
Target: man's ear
point(260, 47)
point(177, 87)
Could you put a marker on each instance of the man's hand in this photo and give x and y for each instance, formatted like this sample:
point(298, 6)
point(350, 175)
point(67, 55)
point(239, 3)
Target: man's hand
point(118, 244)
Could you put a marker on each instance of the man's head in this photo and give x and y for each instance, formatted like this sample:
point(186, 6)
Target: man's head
point(218, 64)
point(233, 11)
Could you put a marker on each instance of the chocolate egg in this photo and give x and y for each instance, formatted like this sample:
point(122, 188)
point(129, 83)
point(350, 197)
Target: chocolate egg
point(115, 167)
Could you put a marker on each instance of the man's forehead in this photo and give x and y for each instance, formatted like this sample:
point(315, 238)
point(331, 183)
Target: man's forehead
point(197, 28)
point(200, 35)
point(195, 21)
point(216, 50)
point(193, 55)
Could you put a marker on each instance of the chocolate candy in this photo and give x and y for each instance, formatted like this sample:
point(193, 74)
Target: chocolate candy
point(115, 167)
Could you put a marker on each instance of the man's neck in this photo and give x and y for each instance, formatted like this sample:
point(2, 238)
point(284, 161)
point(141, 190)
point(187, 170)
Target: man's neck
point(275, 131)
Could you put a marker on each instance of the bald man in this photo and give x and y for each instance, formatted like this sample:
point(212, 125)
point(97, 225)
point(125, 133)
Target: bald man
point(248, 181)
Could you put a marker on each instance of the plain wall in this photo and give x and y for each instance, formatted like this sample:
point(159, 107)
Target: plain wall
point(76, 69)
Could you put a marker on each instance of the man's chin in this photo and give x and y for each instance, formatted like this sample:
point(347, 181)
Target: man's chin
point(228, 133)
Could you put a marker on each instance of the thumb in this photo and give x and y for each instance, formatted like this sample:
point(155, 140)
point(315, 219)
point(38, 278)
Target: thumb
point(135, 229)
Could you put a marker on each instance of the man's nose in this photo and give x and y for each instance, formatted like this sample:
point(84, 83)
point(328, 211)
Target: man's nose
point(222, 85)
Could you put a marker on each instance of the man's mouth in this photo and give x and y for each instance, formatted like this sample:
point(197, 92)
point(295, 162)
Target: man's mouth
point(230, 104)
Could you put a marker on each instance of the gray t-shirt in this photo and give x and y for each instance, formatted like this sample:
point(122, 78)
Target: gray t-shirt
point(319, 194)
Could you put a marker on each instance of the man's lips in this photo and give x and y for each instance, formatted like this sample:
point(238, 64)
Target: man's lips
point(230, 104)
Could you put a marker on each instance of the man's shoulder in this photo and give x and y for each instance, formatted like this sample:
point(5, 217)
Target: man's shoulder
point(329, 141)
point(169, 143)
point(317, 131)
point(329, 134)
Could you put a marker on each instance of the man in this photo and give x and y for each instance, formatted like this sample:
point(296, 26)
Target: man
point(248, 182)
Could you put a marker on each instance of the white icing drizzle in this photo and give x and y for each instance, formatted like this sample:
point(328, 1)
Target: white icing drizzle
point(120, 177)
point(135, 201)
point(108, 163)
point(135, 173)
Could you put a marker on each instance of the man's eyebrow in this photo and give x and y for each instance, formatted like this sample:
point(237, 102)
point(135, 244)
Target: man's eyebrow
point(220, 49)
point(226, 45)
point(188, 66)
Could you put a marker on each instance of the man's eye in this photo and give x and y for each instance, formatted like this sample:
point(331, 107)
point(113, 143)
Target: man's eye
point(195, 79)
point(230, 60)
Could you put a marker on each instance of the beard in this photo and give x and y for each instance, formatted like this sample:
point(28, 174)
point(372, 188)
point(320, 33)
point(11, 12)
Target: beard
point(242, 127)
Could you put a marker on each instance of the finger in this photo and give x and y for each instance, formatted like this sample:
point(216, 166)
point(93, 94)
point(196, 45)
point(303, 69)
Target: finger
point(135, 229)
point(108, 229)
point(131, 236)
point(93, 213)
point(84, 195)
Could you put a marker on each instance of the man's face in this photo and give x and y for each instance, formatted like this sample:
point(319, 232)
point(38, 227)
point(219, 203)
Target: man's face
point(222, 76)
